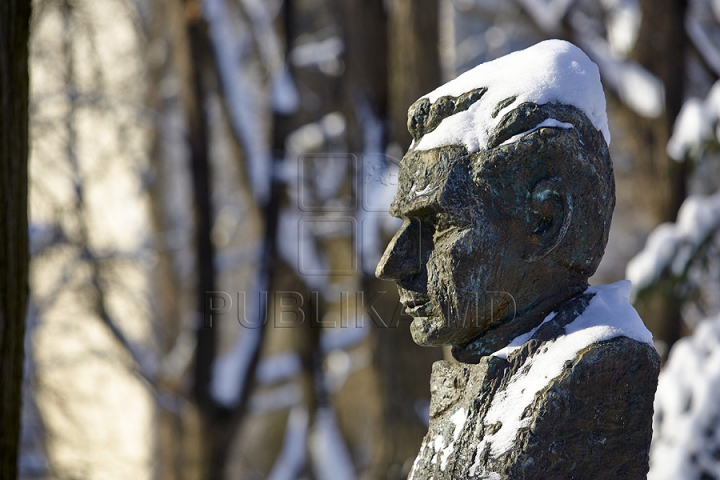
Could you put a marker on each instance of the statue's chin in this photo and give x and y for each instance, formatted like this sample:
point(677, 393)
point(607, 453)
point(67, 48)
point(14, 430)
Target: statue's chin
point(435, 332)
point(430, 332)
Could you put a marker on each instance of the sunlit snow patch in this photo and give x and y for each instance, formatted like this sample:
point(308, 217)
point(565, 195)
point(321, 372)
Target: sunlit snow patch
point(608, 315)
point(551, 71)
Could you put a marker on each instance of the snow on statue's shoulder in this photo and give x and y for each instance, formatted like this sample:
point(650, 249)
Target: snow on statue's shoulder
point(610, 315)
point(607, 316)
point(550, 71)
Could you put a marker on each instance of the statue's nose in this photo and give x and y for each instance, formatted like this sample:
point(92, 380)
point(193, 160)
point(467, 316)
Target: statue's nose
point(402, 257)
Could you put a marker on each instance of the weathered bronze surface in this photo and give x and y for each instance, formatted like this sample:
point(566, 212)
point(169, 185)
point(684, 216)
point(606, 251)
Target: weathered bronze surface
point(491, 243)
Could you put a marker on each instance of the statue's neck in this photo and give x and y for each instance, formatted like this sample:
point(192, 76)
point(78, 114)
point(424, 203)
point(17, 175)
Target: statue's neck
point(523, 321)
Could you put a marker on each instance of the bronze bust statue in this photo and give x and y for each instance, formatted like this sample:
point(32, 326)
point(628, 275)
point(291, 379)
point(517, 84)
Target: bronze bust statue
point(506, 197)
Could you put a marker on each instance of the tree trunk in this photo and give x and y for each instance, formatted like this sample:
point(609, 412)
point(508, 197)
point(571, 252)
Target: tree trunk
point(660, 48)
point(384, 88)
point(413, 71)
point(14, 86)
point(166, 28)
point(414, 59)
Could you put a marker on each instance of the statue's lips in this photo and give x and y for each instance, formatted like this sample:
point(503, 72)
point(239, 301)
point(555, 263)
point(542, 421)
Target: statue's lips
point(418, 310)
point(416, 304)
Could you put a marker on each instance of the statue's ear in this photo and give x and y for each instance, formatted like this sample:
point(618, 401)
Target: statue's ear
point(549, 216)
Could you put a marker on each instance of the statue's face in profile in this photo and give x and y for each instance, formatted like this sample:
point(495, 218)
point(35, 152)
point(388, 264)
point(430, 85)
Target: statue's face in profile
point(449, 257)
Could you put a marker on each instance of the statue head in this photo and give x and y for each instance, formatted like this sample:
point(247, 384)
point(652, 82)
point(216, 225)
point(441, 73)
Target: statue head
point(506, 196)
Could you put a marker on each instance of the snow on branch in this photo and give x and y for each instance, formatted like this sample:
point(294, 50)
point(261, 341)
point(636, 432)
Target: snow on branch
point(324, 54)
point(639, 89)
point(231, 372)
point(671, 246)
point(703, 29)
point(330, 457)
point(284, 95)
point(293, 455)
point(547, 14)
point(686, 427)
point(622, 22)
point(232, 44)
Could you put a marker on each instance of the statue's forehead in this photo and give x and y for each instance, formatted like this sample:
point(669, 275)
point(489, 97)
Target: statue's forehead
point(428, 179)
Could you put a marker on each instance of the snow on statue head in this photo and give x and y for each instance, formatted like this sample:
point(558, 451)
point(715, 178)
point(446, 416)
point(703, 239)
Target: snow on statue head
point(506, 196)
point(466, 111)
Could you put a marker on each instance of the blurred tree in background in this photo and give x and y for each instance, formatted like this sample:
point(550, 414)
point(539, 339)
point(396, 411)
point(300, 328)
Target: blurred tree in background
point(14, 89)
point(209, 186)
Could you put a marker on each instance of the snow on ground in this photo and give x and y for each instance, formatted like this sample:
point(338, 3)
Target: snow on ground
point(686, 439)
point(551, 71)
point(672, 245)
point(608, 315)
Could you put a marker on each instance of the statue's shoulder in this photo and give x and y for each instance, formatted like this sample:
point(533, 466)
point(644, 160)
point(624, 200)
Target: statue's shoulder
point(593, 414)
point(606, 378)
point(595, 332)
point(635, 356)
